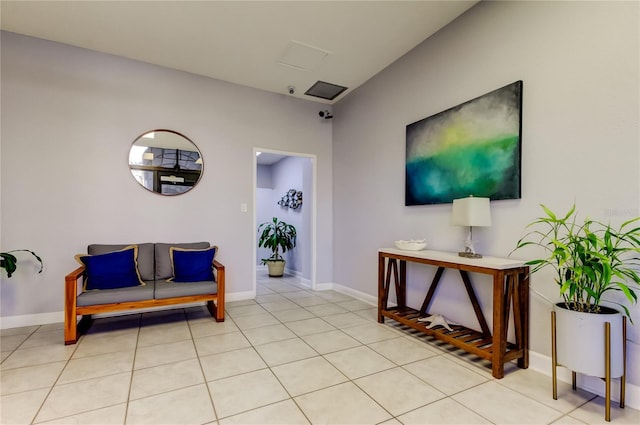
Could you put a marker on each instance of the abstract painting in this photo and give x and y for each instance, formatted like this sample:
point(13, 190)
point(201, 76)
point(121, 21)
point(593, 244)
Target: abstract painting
point(470, 149)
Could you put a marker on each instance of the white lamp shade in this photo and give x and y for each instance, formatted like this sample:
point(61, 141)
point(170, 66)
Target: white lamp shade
point(471, 211)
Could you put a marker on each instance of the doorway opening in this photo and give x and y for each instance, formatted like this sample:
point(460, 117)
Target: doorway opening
point(285, 187)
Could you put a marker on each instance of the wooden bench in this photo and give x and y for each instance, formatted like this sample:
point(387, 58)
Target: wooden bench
point(156, 293)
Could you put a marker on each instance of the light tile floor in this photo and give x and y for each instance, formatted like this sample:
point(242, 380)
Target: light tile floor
point(291, 356)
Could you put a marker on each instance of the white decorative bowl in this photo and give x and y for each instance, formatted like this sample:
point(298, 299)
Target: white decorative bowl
point(411, 245)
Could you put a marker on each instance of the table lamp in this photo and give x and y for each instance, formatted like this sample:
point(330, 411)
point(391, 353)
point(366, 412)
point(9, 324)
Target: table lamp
point(470, 212)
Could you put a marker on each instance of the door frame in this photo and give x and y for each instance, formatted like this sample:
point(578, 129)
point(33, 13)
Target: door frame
point(314, 207)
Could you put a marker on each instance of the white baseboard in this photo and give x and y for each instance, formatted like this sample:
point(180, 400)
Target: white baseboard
point(306, 283)
point(323, 287)
point(303, 281)
point(365, 298)
point(8, 322)
point(20, 321)
point(289, 272)
point(240, 296)
point(369, 299)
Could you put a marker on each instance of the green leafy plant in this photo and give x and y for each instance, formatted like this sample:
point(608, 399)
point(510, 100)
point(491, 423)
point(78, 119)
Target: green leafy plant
point(9, 262)
point(590, 258)
point(276, 235)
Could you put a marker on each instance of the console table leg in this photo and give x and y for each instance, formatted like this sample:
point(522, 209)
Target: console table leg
point(475, 303)
point(383, 292)
point(499, 343)
point(521, 299)
point(432, 290)
point(401, 285)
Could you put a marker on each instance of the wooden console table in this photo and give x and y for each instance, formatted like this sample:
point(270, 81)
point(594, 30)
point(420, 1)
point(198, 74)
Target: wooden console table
point(510, 288)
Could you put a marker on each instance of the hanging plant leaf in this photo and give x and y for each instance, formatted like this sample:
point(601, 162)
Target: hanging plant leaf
point(9, 261)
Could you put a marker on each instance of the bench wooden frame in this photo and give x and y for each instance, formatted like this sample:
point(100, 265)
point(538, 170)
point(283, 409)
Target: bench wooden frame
point(73, 328)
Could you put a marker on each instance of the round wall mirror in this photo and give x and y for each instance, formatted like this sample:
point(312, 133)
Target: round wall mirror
point(165, 162)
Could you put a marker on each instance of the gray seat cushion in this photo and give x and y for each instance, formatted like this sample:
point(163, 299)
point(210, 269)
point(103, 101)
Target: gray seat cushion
point(146, 264)
point(153, 260)
point(163, 259)
point(120, 295)
point(173, 289)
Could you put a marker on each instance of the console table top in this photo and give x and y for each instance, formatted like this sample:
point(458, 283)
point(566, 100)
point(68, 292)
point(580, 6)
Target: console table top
point(453, 257)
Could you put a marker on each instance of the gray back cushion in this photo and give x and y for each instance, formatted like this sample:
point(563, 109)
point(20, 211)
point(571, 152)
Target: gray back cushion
point(163, 259)
point(145, 256)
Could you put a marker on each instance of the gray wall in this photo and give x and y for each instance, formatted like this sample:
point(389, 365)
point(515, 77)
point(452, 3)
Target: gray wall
point(579, 64)
point(69, 116)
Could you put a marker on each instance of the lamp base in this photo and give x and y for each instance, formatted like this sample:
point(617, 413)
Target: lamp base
point(466, 254)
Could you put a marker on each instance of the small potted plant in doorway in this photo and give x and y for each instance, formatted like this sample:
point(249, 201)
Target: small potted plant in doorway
point(276, 235)
point(589, 260)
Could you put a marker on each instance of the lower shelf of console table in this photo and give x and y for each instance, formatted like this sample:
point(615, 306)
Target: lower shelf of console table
point(510, 289)
point(466, 339)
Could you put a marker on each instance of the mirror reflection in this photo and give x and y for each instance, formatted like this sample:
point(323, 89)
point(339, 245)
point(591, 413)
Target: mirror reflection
point(165, 162)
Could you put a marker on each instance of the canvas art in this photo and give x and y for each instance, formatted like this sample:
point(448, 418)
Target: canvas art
point(470, 149)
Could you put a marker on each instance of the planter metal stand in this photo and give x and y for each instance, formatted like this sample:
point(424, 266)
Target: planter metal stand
point(607, 366)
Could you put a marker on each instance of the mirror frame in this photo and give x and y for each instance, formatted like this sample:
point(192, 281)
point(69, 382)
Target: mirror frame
point(163, 177)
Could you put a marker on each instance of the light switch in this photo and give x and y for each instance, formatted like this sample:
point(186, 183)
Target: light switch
point(243, 207)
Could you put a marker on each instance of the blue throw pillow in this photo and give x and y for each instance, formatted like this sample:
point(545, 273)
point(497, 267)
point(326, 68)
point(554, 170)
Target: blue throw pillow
point(192, 265)
point(112, 270)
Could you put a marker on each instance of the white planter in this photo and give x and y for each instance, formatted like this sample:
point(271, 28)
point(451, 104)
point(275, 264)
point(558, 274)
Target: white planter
point(276, 268)
point(580, 340)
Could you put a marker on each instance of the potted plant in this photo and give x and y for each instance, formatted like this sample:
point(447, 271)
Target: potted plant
point(276, 235)
point(9, 262)
point(589, 260)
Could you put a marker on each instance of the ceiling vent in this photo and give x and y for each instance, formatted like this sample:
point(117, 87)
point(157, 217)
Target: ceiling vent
point(324, 90)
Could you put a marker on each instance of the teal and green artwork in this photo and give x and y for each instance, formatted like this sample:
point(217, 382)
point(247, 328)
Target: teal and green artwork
point(470, 149)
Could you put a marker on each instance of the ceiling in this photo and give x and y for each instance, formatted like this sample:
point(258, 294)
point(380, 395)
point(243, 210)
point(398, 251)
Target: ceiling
point(268, 158)
point(268, 45)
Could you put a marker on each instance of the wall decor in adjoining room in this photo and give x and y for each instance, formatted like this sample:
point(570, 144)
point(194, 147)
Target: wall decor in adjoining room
point(292, 199)
point(471, 149)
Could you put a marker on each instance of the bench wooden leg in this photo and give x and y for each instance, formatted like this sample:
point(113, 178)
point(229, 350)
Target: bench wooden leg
point(70, 317)
point(73, 329)
point(70, 332)
point(84, 324)
point(212, 308)
point(215, 312)
point(220, 308)
point(70, 325)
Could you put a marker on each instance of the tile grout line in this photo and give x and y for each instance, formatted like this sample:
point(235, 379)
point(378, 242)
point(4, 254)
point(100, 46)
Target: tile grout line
point(204, 375)
point(323, 356)
point(44, 400)
point(133, 369)
point(438, 351)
